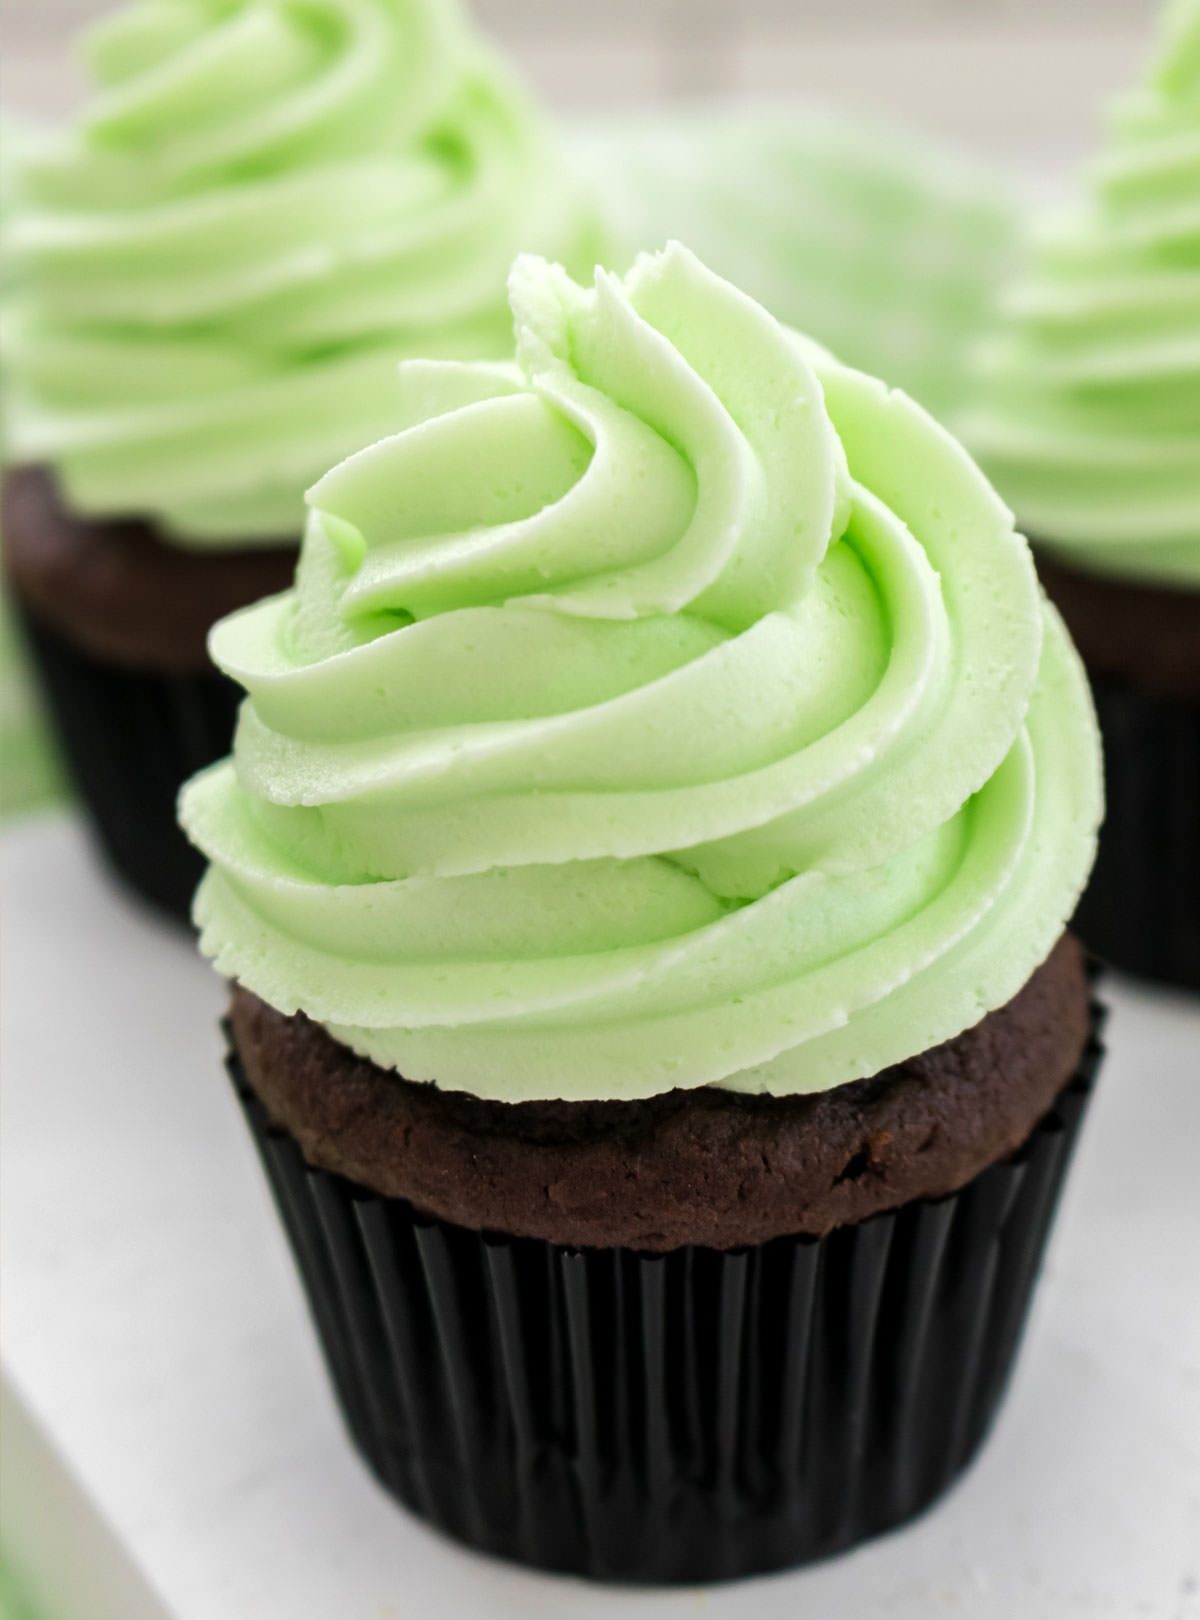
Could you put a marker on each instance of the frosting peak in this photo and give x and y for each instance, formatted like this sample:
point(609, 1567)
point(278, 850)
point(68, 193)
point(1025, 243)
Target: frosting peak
point(1088, 411)
point(622, 485)
point(672, 706)
point(265, 204)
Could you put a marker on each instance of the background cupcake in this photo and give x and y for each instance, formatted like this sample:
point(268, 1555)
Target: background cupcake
point(214, 271)
point(648, 844)
point(1089, 423)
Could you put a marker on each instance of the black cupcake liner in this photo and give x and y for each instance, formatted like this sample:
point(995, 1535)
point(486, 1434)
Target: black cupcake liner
point(130, 739)
point(1141, 909)
point(681, 1417)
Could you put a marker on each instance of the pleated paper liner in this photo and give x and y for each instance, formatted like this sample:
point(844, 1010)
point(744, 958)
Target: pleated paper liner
point(680, 1417)
point(1141, 911)
point(130, 739)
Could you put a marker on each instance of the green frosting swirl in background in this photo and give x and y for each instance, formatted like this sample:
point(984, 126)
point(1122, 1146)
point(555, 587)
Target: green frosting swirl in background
point(264, 206)
point(889, 249)
point(672, 707)
point(1089, 406)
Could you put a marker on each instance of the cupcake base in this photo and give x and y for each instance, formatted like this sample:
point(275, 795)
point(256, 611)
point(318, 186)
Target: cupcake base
point(1140, 644)
point(1141, 909)
point(130, 739)
point(117, 616)
point(695, 1415)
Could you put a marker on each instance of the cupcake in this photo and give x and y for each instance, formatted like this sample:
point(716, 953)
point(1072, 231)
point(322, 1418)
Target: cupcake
point(888, 249)
point(213, 274)
point(1088, 421)
point(643, 866)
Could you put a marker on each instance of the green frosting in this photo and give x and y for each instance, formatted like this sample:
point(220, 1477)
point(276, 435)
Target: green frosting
point(1089, 405)
point(266, 203)
point(672, 707)
point(889, 250)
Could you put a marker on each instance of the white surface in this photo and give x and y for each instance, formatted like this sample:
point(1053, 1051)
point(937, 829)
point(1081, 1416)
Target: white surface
point(155, 1330)
point(1015, 80)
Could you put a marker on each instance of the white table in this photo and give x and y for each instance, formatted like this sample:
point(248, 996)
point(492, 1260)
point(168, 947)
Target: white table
point(172, 1448)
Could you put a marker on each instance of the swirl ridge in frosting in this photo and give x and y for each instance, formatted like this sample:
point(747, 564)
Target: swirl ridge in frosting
point(670, 707)
point(1088, 406)
point(264, 205)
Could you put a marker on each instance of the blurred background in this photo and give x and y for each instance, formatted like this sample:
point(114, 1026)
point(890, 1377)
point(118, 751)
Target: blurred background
point(1018, 80)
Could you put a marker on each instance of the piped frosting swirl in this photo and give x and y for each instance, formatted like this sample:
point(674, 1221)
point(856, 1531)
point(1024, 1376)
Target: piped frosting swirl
point(671, 707)
point(1089, 404)
point(265, 204)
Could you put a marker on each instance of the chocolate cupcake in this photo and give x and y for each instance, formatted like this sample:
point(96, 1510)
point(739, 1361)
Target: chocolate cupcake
point(216, 268)
point(644, 866)
point(1089, 423)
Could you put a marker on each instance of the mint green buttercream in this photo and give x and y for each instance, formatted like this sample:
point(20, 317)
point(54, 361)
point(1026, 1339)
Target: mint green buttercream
point(1088, 414)
point(265, 204)
point(671, 707)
